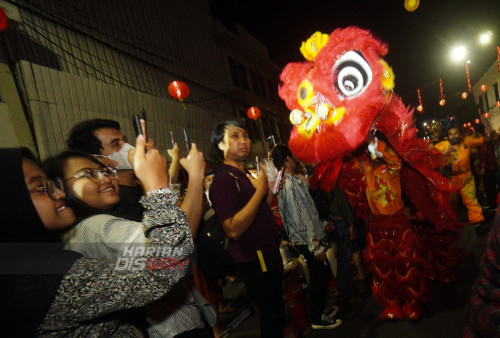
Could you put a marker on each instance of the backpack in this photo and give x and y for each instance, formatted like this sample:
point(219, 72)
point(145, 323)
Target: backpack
point(212, 259)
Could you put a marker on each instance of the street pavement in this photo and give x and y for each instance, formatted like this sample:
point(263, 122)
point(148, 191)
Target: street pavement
point(445, 313)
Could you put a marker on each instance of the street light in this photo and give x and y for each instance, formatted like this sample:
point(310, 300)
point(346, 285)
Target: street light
point(458, 53)
point(425, 124)
point(485, 37)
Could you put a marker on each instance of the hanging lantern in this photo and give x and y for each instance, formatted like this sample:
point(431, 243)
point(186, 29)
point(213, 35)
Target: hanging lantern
point(411, 5)
point(497, 103)
point(442, 101)
point(178, 90)
point(3, 20)
point(468, 124)
point(420, 107)
point(469, 87)
point(465, 125)
point(465, 95)
point(486, 115)
point(484, 87)
point(477, 121)
point(253, 113)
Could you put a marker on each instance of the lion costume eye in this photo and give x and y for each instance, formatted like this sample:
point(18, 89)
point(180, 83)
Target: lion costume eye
point(353, 74)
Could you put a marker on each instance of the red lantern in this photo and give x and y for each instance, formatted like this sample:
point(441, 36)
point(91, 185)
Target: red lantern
point(442, 102)
point(3, 20)
point(465, 95)
point(477, 121)
point(484, 87)
point(465, 125)
point(486, 115)
point(178, 90)
point(468, 124)
point(253, 113)
point(497, 103)
point(420, 109)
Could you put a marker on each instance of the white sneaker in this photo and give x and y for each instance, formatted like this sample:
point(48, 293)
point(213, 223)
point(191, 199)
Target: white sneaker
point(326, 323)
point(332, 312)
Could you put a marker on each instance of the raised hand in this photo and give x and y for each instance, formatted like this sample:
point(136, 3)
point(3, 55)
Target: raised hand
point(150, 167)
point(194, 163)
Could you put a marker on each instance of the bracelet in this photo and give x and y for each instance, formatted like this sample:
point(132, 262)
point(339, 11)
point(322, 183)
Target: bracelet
point(163, 190)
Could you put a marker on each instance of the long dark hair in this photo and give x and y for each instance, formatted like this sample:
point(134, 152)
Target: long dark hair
point(54, 167)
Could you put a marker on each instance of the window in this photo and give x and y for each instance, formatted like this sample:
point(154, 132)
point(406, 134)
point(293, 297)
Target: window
point(481, 107)
point(238, 74)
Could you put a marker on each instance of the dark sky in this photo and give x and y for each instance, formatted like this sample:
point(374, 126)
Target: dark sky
point(419, 42)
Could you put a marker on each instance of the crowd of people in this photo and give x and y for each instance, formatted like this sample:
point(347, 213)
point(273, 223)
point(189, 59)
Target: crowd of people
point(100, 245)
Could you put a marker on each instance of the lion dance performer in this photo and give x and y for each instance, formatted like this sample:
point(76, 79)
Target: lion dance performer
point(338, 99)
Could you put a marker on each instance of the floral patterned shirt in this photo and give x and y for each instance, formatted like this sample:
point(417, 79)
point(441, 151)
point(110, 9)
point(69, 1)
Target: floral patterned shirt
point(94, 291)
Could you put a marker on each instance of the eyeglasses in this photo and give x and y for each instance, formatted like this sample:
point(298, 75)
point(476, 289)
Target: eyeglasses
point(50, 187)
point(96, 174)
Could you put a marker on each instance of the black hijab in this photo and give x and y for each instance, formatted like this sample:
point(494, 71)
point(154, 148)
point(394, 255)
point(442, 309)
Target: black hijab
point(32, 259)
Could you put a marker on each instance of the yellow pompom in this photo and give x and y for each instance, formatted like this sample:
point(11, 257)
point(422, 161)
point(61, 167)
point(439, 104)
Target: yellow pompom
point(305, 94)
point(387, 76)
point(313, 45)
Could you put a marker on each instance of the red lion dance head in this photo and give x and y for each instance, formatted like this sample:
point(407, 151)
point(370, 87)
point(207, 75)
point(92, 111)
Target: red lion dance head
point(337, 95)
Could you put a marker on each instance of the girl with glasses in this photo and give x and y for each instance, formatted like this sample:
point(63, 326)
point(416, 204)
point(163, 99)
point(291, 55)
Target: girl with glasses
point(104, 232)
point(46, 290)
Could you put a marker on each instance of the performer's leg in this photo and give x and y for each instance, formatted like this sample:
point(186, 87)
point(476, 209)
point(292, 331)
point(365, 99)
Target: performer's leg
point(468, 192)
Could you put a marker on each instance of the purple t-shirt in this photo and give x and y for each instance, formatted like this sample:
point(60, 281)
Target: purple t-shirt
point(230, 192)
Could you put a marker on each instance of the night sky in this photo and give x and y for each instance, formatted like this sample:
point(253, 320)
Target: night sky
point(419, 42)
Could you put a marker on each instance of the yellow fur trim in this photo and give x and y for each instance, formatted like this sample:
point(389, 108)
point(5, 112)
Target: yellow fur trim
point(313, 45)
point(387, 76)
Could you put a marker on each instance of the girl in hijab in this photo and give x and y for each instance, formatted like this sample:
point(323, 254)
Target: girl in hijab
point(47, 291)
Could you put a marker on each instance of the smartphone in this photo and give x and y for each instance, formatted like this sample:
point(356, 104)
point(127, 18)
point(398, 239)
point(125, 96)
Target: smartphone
point(257, 165)
point(278, 180)
point(271, 142)
point(172, 139)
point(186, 140)
point(136, 121)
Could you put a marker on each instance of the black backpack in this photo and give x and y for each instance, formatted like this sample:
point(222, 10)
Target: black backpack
point(213, 260)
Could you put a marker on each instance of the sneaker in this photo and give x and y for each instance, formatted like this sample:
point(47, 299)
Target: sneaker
point(326, 323)
point(330, 313)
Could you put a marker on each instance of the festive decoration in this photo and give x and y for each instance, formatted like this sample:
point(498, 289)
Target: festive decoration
point(498, 58)
point(3, 20)
point(411, 5)
point(178, 90)
point(465, 95)
point(420, 107)
point(332, 123)
point(465, 125)
point(497, 103)
point(484, 87)
point(253, 113)
point(442, 101)
point(477, 121)
point(486, 115)
point(467, 73)
point(469, 124)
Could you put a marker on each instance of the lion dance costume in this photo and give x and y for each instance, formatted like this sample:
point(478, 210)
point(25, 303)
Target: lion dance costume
point(340, 95)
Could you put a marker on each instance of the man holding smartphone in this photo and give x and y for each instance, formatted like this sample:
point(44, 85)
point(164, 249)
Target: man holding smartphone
point(104, 139)
point(241, 204)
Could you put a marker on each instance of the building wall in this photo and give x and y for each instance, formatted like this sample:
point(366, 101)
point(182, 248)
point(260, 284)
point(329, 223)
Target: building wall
point(491, 78)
